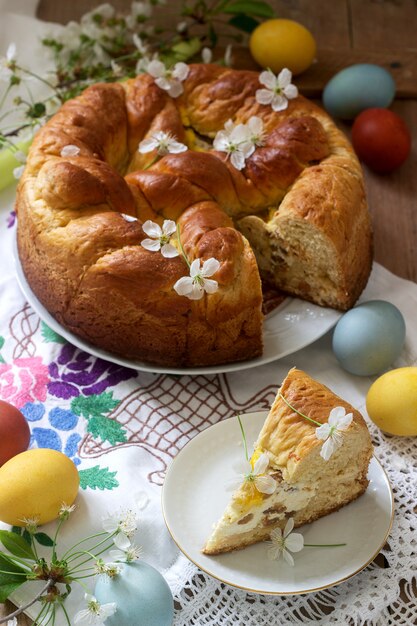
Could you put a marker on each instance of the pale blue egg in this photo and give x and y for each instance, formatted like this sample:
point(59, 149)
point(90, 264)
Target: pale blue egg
point(357, 88)
point(369, 337)
point(141, 593)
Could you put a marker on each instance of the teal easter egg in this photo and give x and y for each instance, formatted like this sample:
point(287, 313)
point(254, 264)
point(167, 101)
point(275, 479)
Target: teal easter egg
point(369, 337)
point(357, 88)
point(141, 594)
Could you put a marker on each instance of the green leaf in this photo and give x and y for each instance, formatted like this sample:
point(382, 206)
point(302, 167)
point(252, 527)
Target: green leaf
point(98, 478)
point(16, 545)
point(7, 586)
point(43, 539)
point(94, 405)
point(106, 429)
point(49, 335)
point(250, 7)
point(244, 22)
point(17, 530)
point(10, 582)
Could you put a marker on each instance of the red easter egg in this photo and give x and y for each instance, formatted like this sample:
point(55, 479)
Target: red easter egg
point(381, 139)
point(14, 432)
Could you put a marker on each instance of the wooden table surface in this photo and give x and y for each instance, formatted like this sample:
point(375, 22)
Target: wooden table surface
point(346, 31)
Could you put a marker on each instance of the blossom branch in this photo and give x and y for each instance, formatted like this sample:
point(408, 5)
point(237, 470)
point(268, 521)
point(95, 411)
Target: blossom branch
point(23, 608)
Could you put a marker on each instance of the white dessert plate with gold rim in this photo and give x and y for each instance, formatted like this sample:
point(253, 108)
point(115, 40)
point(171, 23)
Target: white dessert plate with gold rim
point(293, 325)
point(195, 495)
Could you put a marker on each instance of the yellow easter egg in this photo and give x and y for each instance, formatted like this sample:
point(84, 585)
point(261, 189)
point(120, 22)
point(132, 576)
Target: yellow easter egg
point(35, 484)
point(280, 43)
point(391, 402)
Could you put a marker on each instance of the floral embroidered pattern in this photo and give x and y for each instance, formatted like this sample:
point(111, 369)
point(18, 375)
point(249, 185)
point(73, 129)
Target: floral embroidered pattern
point(24, 380)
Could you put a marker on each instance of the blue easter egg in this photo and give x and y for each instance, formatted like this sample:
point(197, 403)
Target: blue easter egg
point(357, 88)
point(141, 594)
point(369, 337)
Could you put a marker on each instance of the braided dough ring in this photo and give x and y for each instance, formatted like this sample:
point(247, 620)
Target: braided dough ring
point(299, 201)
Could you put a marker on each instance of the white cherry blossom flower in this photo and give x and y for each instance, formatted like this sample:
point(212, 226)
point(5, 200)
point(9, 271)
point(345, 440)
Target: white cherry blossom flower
point(95, 614)
point(182, 27)
point(123, 523)
point(198, 282)
point(169, 79)
point(130, 554)
point(163, 143)
point(12, 622)
point(332, 430)
point(234, 140)
point(31, 524)
point(108, 569)
point(282, 543)
point(207, 55)
point(279, 89)
point(257, 476)
point(70, 151)
point(160, 238)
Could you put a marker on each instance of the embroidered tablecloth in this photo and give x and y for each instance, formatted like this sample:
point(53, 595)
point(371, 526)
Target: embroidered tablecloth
point(122, 428)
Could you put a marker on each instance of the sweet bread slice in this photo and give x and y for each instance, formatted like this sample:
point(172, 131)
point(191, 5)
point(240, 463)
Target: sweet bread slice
point(314, 473)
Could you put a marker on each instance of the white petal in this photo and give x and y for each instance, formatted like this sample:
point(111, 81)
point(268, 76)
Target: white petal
point(221, 141)
point(195, 268)
point(294, 542)
point(164, 83)
point(169, 227)
point(138, 43)
point(156, 69)
point(169, 251)
point(279, 103)
point(327, 449)
point(141, 500)
point(197, 292)
point(121, 541)
point(180, 71)
point(276, 535)
point(152, 229)
point(207, 55)
point(70, 150)
point(20, 156)
point(256, 125)
point(82, 616)
point(268, 79)
point(335, 414)
point(18, 171)
point(265, 484)
point(107, 610)
point(284, 78)
point(237, 160)
point(229, 126)
point(239, 133)
point(11, 52)
point(287, 557)
point(117, 555)
point(274, 553)
point(129, 218)
point(210, 267)
point(247, 149)
point(184, 286)
point(228, 55)
point(288, 527)
point(147, 145)
point(176, 89)
point(345, 421)
point(153, 245)
point(242, 467)
point(323, 431)
point(264, 96)
point(210, 286)
point(110, 523)
point(290, 92)
point(175, 147)
point(261, 464)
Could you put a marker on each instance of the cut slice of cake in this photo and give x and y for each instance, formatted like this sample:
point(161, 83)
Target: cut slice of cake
point(307, 485)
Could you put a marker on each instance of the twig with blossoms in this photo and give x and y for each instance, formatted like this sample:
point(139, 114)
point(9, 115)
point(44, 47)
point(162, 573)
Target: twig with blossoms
point(22, 564)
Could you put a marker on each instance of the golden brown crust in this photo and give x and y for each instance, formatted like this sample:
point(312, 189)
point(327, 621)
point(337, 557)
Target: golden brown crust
point(289, 438)
point(299, 201)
